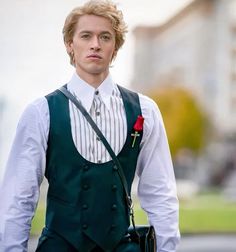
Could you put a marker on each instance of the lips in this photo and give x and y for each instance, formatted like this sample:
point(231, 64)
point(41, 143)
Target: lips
point(94, 56)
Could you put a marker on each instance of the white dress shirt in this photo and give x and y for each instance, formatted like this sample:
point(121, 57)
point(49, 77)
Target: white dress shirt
point(106, 108)
point(26, 165)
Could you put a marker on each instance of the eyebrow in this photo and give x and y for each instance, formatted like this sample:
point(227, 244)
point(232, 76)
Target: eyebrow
point(102, 32)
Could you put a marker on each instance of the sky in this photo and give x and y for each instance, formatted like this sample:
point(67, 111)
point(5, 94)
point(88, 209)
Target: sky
point(33, 60)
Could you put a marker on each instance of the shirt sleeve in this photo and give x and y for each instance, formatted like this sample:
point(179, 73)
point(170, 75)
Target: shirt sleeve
point(157, 186)
point(23, 175)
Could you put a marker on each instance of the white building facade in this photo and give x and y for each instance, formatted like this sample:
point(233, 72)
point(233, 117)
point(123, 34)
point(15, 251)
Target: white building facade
point(196, 48)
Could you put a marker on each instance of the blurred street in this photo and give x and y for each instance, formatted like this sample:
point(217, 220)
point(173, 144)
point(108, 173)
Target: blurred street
point(197, 243)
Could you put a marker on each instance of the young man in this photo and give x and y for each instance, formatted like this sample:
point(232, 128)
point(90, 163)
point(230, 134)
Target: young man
point(86, 208)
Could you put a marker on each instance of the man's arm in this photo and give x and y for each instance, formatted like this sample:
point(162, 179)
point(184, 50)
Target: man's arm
point(157, 187)
point(23, 175)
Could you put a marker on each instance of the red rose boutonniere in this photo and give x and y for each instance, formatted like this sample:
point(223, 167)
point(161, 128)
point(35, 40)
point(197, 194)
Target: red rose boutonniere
point(138, 127)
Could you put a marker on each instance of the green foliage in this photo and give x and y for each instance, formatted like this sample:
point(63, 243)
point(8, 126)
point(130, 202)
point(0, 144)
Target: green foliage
point(184, 121)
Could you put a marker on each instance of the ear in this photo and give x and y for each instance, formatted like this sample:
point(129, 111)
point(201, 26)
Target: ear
point(69, 47)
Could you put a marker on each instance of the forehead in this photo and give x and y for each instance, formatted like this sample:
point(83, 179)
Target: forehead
point(94, 23)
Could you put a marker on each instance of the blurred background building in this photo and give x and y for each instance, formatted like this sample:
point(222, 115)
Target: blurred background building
point(196, 48)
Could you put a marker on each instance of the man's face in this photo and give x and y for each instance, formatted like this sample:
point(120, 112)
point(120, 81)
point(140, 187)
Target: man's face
point(93, 46)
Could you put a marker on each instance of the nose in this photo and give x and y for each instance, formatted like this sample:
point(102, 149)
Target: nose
point(95, 44)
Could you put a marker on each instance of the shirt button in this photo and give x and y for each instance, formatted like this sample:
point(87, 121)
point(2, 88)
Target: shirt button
point(96, 92)
point(85, 226)
point(97, 113)
point(98, 138)
point(99, 161)
point(114, 207)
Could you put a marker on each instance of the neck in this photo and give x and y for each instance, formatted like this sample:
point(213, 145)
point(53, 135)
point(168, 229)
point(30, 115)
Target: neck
point(93, 80)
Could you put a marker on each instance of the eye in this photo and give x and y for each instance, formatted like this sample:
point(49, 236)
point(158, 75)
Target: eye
point(105, 37)
point(85, 36)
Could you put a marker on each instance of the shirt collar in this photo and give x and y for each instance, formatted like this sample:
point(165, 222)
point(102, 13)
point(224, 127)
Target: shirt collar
point(85, 92)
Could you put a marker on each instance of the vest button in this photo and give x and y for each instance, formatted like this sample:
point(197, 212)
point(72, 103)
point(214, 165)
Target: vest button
point(114, 207)
point(85, 187)
point(115, 168)
point(85, 226)
point(113, 226)
point(114, 187)
point(85, 206)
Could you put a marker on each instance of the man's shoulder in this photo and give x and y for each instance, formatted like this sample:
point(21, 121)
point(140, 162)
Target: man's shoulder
point(149, 107)
point(147, 102)
point(37, 104)
point(54, 93)
point(125, 89)
point(34, 111)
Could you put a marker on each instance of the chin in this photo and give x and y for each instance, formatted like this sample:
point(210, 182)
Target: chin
point(98, 71)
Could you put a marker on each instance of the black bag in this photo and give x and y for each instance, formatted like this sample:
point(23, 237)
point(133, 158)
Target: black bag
point(143, 235)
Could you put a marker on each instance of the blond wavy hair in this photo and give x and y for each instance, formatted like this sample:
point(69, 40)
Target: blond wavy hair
point(103, 8)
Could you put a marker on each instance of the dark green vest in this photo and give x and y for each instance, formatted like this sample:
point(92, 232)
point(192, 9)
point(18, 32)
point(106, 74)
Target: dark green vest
point(85, 201)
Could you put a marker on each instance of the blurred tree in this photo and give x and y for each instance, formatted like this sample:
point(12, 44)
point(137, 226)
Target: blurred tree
point(184, 121)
